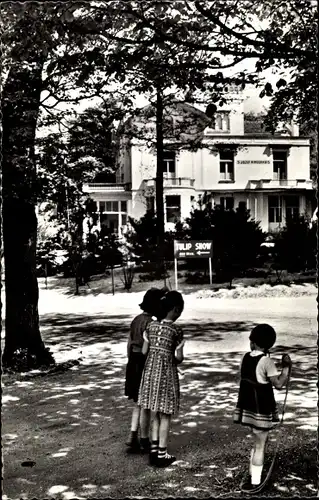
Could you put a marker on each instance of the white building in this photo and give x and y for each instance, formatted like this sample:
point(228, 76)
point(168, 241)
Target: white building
point(269, 174)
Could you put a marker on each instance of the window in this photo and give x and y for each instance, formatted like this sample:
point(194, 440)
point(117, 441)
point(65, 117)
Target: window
point(274, 209)
point(109, 206)
point(242, 205)
point(220, 122)
point(113, 215)
point(111, 221)
point(226, 165)
point(173, 208)
point(120, 175)
point(292, 207)
point(280, 165)
point(150, 204)
point(227, 203)
point(169, 162)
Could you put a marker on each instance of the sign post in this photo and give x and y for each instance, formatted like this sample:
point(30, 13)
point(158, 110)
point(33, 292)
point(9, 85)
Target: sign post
point(175, 263)
point(193, 249)
point(210, 271)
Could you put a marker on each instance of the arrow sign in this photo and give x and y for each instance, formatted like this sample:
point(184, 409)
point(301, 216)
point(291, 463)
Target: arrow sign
point(192, 249)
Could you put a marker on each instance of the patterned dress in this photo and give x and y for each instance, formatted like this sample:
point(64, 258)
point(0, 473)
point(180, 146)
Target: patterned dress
point(159, 389)
point(256, 405)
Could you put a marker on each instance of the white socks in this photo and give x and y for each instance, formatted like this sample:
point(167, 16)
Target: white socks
point(251, 461)
point(256, 471)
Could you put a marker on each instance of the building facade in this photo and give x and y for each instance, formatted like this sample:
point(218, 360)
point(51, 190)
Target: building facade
point(268, 174)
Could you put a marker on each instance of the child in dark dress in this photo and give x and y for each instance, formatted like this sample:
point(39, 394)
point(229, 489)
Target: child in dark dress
point(256, 406)
point(135, 366)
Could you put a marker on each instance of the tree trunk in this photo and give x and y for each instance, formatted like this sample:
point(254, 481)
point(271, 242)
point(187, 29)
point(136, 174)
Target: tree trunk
point(24, 348)
point(159, 185)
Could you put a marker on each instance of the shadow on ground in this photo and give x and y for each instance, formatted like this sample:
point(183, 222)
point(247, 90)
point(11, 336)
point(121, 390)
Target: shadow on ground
point(74, 425)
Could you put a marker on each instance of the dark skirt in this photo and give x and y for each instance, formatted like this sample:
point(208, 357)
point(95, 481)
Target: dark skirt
point(134, 371)
point(256, 406)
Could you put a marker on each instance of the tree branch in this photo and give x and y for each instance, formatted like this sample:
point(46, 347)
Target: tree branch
point(207, 48)
point(259, 43)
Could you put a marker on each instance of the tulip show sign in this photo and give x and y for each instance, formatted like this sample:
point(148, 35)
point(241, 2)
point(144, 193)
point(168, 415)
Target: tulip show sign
point(193, 249)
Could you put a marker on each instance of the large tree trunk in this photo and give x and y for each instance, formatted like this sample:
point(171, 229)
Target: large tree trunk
point(159, 185)
point(24, 348)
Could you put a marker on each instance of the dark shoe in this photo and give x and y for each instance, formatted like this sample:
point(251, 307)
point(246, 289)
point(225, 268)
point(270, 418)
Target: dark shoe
point(145, 445)
point(133, 446)
point(153, 458)
point(166, 461)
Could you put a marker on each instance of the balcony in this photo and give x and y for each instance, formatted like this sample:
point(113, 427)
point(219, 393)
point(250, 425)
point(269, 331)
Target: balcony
point(280, 184)
point(183, 182)
point(105, 186)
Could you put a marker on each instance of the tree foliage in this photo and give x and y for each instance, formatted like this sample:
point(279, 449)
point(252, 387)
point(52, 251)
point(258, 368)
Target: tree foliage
point(59, 53)
point(236, 237)
point(36, 37)
point(275, 35)
point(296, 245)
point(142, 239)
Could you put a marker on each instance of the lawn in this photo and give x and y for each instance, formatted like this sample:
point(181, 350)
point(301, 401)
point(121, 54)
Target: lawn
point(72, 425)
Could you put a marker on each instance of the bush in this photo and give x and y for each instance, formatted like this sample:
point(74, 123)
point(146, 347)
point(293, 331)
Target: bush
point(153, 276)
point(296, 245)
point(255, 273)
point(143, 240)
point(128, 276)
point(197, 278)
point(236, 239)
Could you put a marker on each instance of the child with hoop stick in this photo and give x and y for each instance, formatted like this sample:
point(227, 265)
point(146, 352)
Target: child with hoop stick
point(256, 406)
point(159, 390)
point(135, 366)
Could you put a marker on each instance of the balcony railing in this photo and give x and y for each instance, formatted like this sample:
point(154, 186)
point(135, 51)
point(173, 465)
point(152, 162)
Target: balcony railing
point(107, 186)
point(280, 183)
point(172, 182)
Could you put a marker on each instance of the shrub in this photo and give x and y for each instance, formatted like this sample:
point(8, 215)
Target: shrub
point(143, 240)
point(197, 278)
point(296, 245)
point(236, 239)
point(128, 276)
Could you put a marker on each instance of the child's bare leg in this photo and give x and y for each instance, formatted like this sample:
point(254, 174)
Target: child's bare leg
point(145, 417)
point(154, 437)
point(133, 441)
point(155, 426)
point(135, 418)
point(258, 456)
point(165, 421)
point(145, 430)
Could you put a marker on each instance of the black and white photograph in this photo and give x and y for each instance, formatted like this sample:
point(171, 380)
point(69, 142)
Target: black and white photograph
point(159, 241)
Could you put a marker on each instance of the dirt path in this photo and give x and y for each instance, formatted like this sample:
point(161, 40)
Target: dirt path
point(74, 425)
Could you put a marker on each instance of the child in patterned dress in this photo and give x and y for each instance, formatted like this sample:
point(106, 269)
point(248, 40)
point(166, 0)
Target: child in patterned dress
point(134, 369)
point(256, 406)
point(159, 390)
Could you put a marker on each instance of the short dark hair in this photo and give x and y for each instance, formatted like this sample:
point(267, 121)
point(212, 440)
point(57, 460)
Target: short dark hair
point(151, 301)
point(169, 301)
point(263, 335)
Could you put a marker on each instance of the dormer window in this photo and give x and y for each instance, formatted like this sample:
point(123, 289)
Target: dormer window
point(220, 122)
